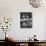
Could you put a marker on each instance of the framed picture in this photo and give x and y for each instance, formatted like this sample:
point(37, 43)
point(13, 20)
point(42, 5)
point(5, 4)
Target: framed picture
point(26, 19)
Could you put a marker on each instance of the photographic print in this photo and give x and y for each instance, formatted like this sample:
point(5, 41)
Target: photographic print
point(26, 19)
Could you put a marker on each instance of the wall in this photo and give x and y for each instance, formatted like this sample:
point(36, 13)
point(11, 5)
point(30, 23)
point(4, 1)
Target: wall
point(12, 8)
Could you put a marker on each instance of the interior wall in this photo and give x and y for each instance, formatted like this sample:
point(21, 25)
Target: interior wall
point(12, 8)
